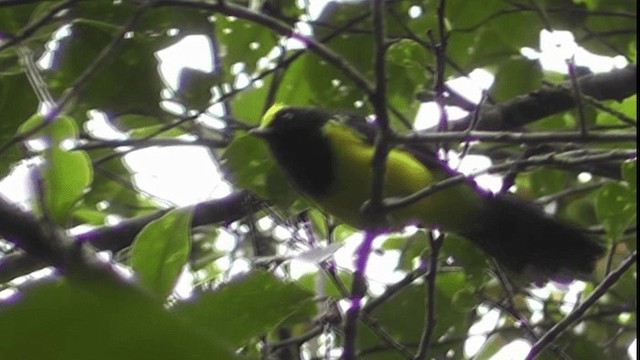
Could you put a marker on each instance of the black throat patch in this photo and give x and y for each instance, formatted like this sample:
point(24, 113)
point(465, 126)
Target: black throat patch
point(302, 149)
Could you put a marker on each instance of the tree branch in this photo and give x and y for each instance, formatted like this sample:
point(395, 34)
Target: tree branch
point(118, 237)
point(522, 110)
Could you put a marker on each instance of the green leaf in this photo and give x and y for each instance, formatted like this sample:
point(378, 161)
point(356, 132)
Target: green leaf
point(66, 176)
point(410, 247)
point(628, 107)
point(67, 173)
point(491, 346)
point(14, 18)
point(319, 222)
point(101, 321)
point(246, 307)
point(160, 251)
point(249, 104)
point(299, 84)
point(615, 208)
point(630, 174)
point(321, 283)
point(356, 47)
point(403, 315)
point(247, 162)
point(475, 42)
point(469, 256)
point(407, 60)
point(144, 132)
point(622, 28)
point(580, 347)
point(242, 42)
point(112, 191)
point(514, 77)
point(194, 88)
point(133, 61)
point(547, 181)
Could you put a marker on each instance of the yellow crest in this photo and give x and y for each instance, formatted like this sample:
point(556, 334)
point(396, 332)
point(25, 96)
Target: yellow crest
point(270, 114)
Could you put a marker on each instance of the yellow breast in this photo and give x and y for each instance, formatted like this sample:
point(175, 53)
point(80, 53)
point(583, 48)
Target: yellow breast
point(404, 175)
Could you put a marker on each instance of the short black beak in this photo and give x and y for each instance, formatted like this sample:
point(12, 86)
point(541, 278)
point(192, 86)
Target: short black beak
point(261, 132)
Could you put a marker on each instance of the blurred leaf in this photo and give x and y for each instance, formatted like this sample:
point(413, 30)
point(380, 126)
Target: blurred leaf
point(580, 211)
point(627, 107)
point(14, 18)
point(245, 163)
point(127, 122)
point(616, 208)
point(410, 247)
point(354, 45)
point(67, 173)
point(311, 81)
point(320, 283)
point(112, 191)
point(318, 254)
point(626, 288)
point(98, 320)
point(547, 181)
point(241, 44)
point(17, 103)
point(407, 60)
point(160, 251)
point(103, 11)
point(249, 104)
point(630, 174)
point(155, 131)
point(342, 232)
point(467, 255)
point(579, 347)
point(609, 35)
point(319, 222)
point(245, 308)
point(402, 316)
point(66, 176)
point(133, 62)
point(509, 79)
point(492, 345)
point(279, 189)
point(194, 88)
point(475, 41)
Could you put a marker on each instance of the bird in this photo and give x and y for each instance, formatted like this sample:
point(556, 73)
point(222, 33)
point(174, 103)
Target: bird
point(328, 159)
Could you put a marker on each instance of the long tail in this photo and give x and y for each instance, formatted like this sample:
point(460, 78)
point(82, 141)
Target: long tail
point(524, 239)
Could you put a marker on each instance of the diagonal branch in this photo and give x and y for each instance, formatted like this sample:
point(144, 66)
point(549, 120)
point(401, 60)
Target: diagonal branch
point(117, 237)
point(522, 110)
point(603, 287)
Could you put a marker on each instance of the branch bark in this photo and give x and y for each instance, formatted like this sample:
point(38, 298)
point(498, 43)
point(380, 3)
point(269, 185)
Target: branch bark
point(522, 110)
point(21, 229)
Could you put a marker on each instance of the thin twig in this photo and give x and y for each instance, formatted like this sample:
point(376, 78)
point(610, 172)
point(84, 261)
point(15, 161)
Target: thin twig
point(82, 80)
point(372, 210)
point(577, 312)
point(394, 289)
point(430, 306)
point(29, 30)
point(231, 9)
point(577, 96)
point(552, 158)
point(358, 291)
point(514, 137)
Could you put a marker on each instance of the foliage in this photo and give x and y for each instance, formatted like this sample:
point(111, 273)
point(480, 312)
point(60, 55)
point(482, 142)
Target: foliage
point(103, 58)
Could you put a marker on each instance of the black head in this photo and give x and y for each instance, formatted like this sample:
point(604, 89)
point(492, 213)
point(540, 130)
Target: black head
point(293, 121)
point(296, 140)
